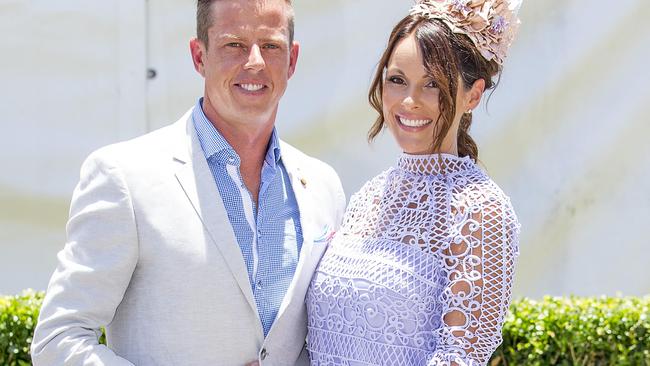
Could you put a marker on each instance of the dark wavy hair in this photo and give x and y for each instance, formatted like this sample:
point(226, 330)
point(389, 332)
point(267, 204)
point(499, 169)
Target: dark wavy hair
point(446, 55)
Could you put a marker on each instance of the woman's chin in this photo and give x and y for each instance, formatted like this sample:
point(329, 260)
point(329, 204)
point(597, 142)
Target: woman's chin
point(415, 149)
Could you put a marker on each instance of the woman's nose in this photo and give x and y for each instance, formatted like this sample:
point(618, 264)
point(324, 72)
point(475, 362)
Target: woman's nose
point(409, 102)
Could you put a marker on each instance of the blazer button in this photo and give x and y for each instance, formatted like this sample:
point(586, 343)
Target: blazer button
point(263, 354)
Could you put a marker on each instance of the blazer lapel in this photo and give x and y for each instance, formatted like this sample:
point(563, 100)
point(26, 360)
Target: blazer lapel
point(300, 186)
point(199, 186)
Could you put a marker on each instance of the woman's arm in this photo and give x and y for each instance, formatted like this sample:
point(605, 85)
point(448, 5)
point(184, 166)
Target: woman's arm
point(479, 266)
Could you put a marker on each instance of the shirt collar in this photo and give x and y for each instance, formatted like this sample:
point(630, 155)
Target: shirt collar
point(214, 144)
point(437, 163)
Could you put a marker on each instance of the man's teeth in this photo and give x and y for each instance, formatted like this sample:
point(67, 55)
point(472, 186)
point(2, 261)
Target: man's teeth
point(252, 87)
point(414, 122)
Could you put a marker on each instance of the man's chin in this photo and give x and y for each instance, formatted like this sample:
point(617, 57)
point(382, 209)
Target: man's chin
point(253, 116)
point(249, 111)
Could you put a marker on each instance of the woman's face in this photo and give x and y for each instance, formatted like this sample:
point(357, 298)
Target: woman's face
point(410, 102)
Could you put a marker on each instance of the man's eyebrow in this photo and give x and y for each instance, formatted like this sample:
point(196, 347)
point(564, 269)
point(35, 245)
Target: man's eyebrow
point(230, 36)
point(273, 39)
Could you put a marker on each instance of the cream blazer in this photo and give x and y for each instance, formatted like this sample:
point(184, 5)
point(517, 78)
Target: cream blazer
point(151, 255)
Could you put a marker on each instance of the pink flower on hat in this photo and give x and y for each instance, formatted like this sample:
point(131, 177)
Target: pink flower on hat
point(490, 24)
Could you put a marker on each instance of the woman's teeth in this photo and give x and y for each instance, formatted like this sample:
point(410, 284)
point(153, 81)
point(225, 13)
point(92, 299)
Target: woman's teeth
point(413, 122)
point(252, 87)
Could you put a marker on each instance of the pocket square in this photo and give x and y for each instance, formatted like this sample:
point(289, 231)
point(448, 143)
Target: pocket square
point(326, 235)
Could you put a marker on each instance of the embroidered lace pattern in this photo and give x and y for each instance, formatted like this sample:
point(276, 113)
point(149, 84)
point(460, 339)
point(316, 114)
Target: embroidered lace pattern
point(420, 272)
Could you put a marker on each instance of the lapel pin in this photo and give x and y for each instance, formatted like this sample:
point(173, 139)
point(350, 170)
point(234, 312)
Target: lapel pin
point(303, 181)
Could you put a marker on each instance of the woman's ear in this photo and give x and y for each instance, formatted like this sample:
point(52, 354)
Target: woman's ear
point(475, 94)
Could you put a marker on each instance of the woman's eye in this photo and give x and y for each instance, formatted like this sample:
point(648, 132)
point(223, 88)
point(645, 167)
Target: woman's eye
point(396, 80)
point(432, 84)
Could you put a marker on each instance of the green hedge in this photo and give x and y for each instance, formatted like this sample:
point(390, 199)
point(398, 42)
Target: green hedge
point(577, 331)
point(554, 331)
point(18, 315)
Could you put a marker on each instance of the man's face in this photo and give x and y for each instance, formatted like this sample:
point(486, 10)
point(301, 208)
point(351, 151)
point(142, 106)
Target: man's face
point(247, 62)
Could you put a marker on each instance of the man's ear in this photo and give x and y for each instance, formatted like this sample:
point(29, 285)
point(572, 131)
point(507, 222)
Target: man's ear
point(198, 50)
point(293, 57)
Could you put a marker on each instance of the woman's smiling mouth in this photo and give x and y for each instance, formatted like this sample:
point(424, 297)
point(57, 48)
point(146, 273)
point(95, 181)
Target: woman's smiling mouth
point(412, 122)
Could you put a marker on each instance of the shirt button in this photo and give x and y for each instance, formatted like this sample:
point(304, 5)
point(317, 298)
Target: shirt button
point(263, 354)
point(258, 284)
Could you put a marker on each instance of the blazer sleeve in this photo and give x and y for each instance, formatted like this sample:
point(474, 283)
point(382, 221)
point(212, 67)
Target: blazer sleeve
point(93, 271)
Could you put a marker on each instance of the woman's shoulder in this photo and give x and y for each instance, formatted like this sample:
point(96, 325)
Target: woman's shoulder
point(372, 186)
point(477, 188)
point(483, 197)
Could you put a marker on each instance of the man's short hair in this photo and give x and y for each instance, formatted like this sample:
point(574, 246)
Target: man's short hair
point(204, 20)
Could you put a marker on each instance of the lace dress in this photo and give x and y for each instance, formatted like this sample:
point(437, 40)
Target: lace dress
point(420, 272)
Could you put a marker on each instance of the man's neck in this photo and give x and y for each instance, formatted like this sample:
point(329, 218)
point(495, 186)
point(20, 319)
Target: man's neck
point(251, 146)
point(250, 142)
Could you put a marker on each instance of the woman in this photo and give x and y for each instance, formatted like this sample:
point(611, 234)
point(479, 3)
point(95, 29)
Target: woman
point(421, 271)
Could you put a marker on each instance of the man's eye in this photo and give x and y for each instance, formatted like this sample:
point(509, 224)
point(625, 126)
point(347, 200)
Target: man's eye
point(269, 46)
point(235, 44)
point(396, 80)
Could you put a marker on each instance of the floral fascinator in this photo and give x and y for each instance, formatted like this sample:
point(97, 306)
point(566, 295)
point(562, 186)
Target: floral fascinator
point(490, 24)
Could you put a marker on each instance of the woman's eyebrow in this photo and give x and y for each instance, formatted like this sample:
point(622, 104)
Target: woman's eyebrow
point(395, 70)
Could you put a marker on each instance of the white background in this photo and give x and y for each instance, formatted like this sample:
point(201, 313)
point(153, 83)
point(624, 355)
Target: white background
point(565, 133)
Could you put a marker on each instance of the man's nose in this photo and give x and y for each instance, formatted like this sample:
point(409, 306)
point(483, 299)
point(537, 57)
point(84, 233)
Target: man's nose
point(255, 60)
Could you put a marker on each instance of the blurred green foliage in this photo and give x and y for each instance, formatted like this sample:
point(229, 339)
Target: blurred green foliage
point(18, 315)
point(576, 331)
point(553, 331)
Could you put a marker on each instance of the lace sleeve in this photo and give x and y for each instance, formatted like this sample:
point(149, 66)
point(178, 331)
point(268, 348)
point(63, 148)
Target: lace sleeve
point(478, 266)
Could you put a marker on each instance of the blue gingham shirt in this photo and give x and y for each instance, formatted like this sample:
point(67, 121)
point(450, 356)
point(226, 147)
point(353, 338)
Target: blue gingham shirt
point(270, 235)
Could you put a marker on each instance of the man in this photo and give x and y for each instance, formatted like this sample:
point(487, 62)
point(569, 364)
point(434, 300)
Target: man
point(195, 244)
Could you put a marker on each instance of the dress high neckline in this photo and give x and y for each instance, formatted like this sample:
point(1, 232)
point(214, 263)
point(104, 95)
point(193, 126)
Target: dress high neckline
point(438, 164)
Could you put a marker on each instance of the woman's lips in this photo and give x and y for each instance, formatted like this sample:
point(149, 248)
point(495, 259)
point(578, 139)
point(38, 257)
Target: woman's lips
point(412, 122)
